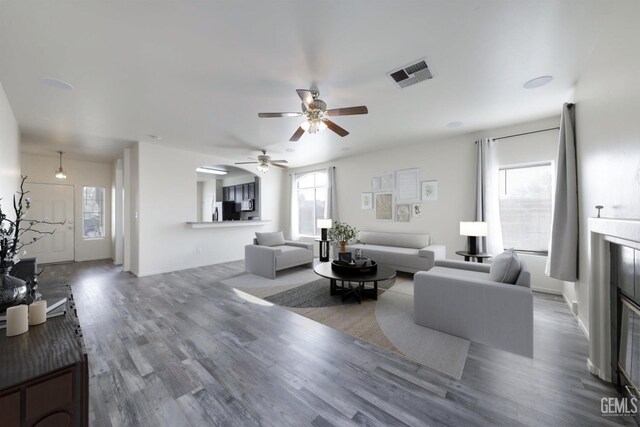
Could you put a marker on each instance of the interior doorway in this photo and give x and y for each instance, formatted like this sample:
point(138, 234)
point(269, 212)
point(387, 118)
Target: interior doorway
point(52, 203)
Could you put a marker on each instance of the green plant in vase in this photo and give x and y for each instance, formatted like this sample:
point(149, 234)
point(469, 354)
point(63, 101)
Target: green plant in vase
point(343, 233)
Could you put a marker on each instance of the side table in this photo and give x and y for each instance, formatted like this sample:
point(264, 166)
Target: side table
point(468, 255)
point(323, 245)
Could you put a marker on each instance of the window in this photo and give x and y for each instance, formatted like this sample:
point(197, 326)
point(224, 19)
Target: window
point(93, 212)
point(312, 201)
point(525, 206)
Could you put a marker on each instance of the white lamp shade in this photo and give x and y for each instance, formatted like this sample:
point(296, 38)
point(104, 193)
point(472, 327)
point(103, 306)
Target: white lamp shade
point(473, 228)
point(325, 223)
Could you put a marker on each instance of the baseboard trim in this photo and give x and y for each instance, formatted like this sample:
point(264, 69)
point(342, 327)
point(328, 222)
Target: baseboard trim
point(584, 328)
point(571, 309)
point(546, 290)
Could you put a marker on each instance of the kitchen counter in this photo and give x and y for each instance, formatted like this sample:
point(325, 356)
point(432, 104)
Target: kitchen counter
point(223, 224)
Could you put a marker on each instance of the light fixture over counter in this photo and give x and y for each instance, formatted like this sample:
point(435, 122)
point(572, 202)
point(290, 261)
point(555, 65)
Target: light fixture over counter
point(212, 171)
point(60, 173)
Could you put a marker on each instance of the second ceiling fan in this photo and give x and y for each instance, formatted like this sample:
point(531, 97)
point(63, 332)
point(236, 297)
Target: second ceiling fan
point(317, 114)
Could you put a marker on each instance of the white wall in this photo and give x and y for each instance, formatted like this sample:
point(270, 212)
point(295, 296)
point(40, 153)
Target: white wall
point(132, 209)
point(167, 192)
point(452, 163)
point(608, 133)
point(41, 169)
point(9, 154)
point(434, 160)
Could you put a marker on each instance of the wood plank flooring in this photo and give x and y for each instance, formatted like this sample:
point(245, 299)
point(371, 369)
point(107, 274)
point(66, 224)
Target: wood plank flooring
point(180, 349)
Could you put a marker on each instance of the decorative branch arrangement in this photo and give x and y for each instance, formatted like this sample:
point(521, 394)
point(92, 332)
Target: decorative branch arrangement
point(12, 232)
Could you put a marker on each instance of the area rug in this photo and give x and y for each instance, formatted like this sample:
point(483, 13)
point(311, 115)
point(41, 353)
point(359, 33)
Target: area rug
point(262, 287)
point(387, 322)
point(316, 294)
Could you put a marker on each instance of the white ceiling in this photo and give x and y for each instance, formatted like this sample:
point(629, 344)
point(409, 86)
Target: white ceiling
point(197, 73)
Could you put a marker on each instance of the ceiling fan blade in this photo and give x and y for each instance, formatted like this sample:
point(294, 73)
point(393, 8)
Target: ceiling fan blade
point(348, 111)
point(334, 127)
point(245, 163)
point(306, 96)
point(278, 166)
point(296, 136)
point(274, 115)
point(279, 161)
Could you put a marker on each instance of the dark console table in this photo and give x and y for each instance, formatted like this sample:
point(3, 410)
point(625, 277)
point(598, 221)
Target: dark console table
point(44, 379)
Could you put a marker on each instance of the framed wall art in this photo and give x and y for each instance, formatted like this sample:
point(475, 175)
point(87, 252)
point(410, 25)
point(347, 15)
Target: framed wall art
point(387, 181)
point(403, 212)
point(384, 206)
point(429, 191)
point(407, 185)
point(366, 201)
point(376, 184)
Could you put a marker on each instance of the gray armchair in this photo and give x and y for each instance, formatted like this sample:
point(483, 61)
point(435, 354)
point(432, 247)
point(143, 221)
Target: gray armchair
point(459, 298)
point(266, 260)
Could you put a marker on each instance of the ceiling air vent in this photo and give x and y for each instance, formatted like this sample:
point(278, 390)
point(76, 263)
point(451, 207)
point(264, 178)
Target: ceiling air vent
point(411, 74)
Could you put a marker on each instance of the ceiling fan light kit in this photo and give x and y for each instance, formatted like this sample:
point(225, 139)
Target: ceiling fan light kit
point(315, 110)
point(264, 162)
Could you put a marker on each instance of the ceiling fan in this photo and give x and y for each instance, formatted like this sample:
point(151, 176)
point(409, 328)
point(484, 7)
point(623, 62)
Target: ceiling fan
point(315, 110)
point(264, 162)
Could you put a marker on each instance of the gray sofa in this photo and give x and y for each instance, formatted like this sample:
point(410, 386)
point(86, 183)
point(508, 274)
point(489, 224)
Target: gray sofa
point(266, 260)
point(459, 298)
point(410, 252)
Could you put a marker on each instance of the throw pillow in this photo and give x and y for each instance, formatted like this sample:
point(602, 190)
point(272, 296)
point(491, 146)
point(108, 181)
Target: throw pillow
point(505, 267)
point(275, 238)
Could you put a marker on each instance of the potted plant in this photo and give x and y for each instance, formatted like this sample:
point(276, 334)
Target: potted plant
point(343, 233)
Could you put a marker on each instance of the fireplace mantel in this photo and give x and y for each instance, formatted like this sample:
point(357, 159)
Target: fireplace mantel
point(601, 232)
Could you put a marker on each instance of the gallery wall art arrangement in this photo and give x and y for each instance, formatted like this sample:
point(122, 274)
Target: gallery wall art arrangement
point(397, 196)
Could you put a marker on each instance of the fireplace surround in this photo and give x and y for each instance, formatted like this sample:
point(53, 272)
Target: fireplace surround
point(603, 342)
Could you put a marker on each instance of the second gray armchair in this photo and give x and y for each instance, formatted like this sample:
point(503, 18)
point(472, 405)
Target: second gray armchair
point(275, 254)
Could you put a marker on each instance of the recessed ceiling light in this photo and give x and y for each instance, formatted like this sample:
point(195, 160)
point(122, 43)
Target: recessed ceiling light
point(456, 124)
point(56, 83)
point(290, 150)
point(537, 82)
point(156, 137)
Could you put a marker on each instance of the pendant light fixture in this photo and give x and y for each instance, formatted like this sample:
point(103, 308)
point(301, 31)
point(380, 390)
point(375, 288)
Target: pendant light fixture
point(60, 173)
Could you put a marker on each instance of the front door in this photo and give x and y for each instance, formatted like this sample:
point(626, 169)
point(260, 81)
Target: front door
point(52, 203)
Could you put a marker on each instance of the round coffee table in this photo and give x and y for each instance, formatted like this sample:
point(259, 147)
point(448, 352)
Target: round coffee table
point(347, 281)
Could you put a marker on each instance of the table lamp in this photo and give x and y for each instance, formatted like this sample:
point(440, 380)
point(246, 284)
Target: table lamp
point(473, 230)
point(323, 224)
point(323, 243)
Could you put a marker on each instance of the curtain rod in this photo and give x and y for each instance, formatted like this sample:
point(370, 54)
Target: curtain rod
point(527, 133)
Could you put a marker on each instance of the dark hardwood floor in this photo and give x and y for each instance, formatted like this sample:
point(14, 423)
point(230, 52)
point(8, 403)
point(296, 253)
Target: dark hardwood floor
point(180, 349)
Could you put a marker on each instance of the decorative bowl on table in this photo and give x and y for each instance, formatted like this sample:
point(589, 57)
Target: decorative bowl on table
point(361, 266)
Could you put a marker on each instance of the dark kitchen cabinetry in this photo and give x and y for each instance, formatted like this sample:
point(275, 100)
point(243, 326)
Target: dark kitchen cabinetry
point(238, 193)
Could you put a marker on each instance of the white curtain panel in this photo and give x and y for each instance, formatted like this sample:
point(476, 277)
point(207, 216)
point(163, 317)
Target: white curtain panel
point(562, 262)
point(332, 204)
point(487, 193)
point(293, 231)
